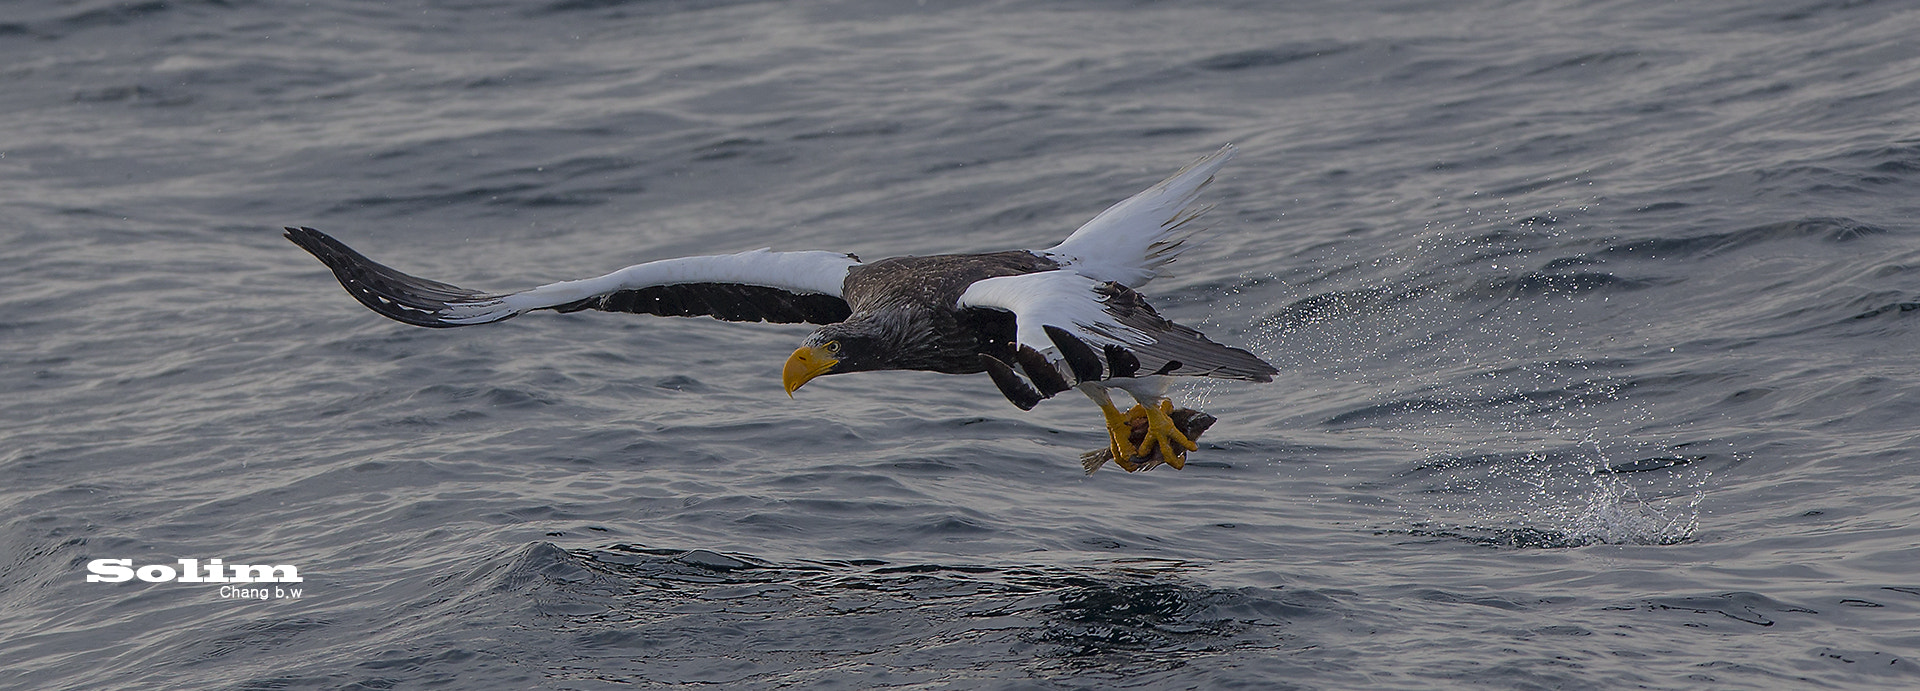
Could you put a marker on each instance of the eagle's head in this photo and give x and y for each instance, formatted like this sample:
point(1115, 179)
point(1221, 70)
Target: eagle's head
point(834, 349)
point(855, 345)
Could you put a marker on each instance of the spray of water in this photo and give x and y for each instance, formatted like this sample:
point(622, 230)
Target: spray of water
point(1476, 336)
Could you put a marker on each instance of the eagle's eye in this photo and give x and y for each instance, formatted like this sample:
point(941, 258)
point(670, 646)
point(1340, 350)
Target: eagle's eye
point(833, 347)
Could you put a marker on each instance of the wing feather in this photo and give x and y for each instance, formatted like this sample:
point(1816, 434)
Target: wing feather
point(1130, 241)
point(759, 285)
point(1091, 330)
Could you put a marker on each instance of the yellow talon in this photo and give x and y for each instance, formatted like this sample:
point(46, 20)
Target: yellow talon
point(1118, 431)
point(1158, 436)
point(1161, 431)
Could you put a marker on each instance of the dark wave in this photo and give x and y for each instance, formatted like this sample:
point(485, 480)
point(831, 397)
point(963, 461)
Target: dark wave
point(1833, 229)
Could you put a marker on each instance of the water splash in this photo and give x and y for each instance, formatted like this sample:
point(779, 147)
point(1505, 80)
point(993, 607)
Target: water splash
point(1608, 509)
point(1615, 513)
point(1539, 500)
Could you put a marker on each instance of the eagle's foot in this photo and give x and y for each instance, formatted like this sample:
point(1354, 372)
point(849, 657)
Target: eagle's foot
point(1188, 424)
point(1164, 436)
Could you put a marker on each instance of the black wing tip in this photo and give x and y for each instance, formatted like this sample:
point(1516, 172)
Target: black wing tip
point(334, 253)
point(306, 238)
point(1041, 372)
point(1265, 375)
point(1018, 392)
point(393, 294)
point(1257, 369)
point(1121, 361)
point(1080, 357)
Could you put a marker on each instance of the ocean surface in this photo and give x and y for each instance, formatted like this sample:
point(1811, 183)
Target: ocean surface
point(1598, 324)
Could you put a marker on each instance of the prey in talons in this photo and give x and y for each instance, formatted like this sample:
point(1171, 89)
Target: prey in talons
point(1135, 446)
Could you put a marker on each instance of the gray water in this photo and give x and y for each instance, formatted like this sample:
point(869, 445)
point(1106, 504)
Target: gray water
point(1595, 320)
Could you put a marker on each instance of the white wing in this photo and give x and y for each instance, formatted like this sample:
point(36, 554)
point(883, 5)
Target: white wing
point(760, 285)
point(1094, 330)
point(818, 273)
point(1059, 299)
point(1131, 240)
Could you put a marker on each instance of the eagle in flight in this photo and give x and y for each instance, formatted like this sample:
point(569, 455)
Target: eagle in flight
point(1037, 322)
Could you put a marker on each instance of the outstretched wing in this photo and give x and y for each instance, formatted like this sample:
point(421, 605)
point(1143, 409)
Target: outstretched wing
point(1070, 329)
point(784, 287)
point(1131, 240)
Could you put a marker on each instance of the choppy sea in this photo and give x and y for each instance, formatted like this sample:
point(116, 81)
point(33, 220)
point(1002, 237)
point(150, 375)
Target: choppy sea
point(1597, 323)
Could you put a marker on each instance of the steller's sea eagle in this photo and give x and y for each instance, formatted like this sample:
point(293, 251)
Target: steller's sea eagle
point(1037, 322)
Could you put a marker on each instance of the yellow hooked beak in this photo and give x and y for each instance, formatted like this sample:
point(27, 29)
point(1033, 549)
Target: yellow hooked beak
point(806, 363)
